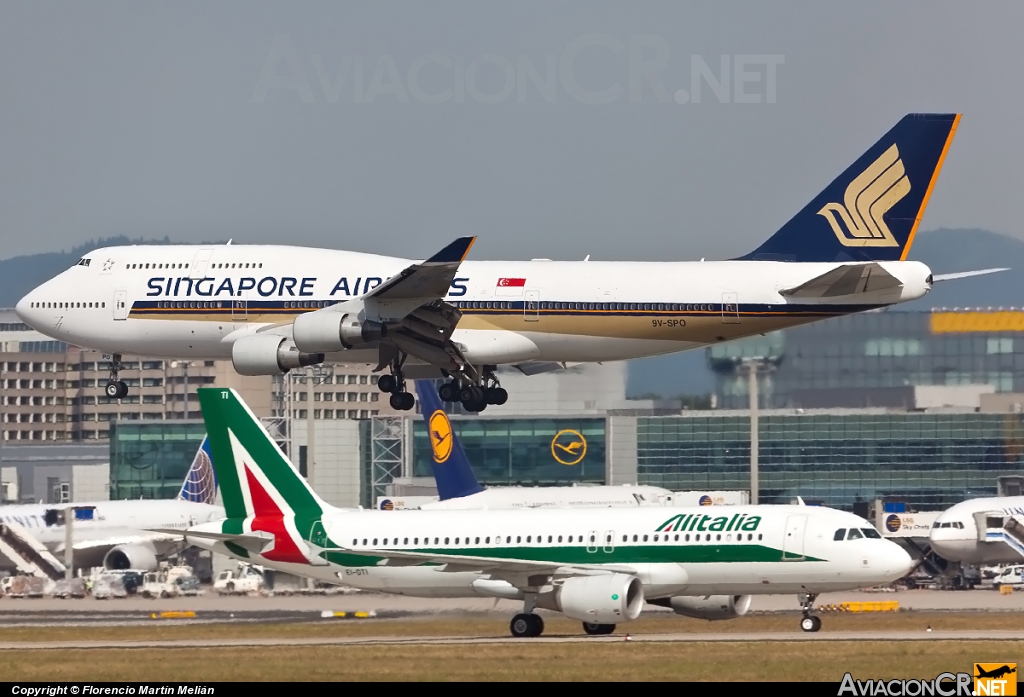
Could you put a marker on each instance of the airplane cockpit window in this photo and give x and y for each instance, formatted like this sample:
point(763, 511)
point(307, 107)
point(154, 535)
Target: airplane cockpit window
point(840, 534)
point(871, 533)
point(854, 534)
point(83, 262)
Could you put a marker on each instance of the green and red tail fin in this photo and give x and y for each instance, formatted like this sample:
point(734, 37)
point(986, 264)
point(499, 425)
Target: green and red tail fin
point(256, 479)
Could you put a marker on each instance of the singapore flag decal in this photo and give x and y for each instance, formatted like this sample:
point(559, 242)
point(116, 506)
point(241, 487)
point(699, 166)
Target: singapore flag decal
point(510, 286)
point(266, 510)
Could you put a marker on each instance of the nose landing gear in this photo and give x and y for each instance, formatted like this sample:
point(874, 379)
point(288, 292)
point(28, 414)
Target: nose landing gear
point(115, 389)
point(810, 621)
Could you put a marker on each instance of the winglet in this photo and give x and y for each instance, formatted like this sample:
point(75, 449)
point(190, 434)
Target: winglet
point(454, 252)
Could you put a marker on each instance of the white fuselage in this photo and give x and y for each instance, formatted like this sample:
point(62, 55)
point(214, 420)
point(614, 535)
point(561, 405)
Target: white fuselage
point(675, 551)
point(112, 523)
point(196, 301)
point(954, 534)
point(555, 497)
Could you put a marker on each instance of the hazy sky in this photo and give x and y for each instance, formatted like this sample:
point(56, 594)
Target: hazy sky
point(393, 127)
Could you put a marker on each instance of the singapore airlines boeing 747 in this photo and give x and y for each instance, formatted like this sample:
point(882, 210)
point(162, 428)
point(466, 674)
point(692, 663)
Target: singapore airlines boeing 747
point(274, 308)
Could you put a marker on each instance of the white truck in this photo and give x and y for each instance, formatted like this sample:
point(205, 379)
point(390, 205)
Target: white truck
point(1010, 576)
point(246, 578)
point(168, 583)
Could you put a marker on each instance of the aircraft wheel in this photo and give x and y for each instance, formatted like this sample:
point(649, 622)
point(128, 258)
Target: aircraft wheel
point(116, 389)
point(448, 392)
point(522, 625)
point(475, 407)
point(500, 396)
point(387, 383)
point(408, 401)
point(810, 623)
point(598, 629)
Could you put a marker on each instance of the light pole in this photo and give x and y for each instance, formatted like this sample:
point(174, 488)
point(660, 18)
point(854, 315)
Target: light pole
point(753, 366)
point(312, 374)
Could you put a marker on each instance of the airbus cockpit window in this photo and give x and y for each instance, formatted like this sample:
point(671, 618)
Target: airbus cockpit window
point(871, 533)
point(854, 534)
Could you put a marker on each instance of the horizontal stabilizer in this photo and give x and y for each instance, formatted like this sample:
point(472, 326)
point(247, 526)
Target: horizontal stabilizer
point(963, 274)
point(253, 542)
point(849, 279)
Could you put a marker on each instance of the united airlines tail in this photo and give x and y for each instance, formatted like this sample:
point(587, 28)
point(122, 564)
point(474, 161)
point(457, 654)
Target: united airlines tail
point(872, 210)
point(200, 485)
point(452, 471)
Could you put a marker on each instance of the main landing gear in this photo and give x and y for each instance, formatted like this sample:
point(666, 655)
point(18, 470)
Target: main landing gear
point(400, 400)
point(116, 389)
point(810, 621)
point(526, 623)
point(474, 398)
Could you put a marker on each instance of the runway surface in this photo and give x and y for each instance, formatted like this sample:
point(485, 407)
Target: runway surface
point(381, 603)
point(557, 639)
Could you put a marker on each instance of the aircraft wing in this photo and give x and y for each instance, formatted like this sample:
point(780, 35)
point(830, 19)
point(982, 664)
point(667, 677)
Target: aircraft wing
point(254, 542)
point(428, 280)
point(516, 571)
point(848, 279)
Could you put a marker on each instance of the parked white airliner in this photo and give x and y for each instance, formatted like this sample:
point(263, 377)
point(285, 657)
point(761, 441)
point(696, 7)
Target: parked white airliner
point(114, 534)
point(598, 566)
point(981, 531)
point(273, 308)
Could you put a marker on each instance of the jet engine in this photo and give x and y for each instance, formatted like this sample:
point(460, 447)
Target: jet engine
point(329, 331)
point(268, 354)
point(710, 607)
point(602, 599)
point(140, 557)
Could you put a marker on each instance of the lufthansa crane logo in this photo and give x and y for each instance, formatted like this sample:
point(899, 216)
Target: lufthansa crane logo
point(440, 436)
point(568, 447)
point(868, 198)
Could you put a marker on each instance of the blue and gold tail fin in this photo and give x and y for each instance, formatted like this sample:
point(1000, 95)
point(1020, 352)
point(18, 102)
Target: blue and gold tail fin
point(872, 210)
point(200, 485)
point(452, 471)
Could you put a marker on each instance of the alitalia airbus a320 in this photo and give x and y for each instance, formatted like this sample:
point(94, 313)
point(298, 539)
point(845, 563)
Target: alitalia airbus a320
point(273, 308)
point(598, 566)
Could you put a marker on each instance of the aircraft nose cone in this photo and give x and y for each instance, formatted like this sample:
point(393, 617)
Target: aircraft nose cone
point(24, 309)
point(898, 562)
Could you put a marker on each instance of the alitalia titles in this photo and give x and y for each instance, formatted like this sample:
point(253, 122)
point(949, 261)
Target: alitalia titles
point(696, 522)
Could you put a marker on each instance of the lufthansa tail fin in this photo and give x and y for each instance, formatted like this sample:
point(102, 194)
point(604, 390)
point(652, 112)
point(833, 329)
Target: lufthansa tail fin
point(452, 471)
point(872, 210)
point(200, 485)
point(256, 479)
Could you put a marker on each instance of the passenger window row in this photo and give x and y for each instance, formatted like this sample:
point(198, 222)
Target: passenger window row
point(607, 307)
point(224, 265)
point(65, 306)
point(551, 539)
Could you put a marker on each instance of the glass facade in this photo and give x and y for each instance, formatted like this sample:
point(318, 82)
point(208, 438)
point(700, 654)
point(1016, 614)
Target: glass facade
point(875, 351)
point(931, 460)
point(524, 452)
point(150, 460)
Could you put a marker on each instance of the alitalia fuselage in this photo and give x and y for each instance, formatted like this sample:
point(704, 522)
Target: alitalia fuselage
point(682, 551)
point(188, 301)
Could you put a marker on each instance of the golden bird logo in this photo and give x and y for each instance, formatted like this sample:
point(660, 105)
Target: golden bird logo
point(868, 198)
point(568, 447)
point(440, 436)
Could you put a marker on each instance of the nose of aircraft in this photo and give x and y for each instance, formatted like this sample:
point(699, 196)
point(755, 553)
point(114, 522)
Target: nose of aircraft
point(24, 309)
point(896, 562)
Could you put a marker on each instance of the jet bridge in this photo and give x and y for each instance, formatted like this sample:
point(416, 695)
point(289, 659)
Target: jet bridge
point(28, 554)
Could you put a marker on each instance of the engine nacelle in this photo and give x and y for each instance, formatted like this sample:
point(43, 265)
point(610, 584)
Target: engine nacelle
point(326, 332)
point(603, 599)
point(711, 607)
point(139, 557)
point(267, 354)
